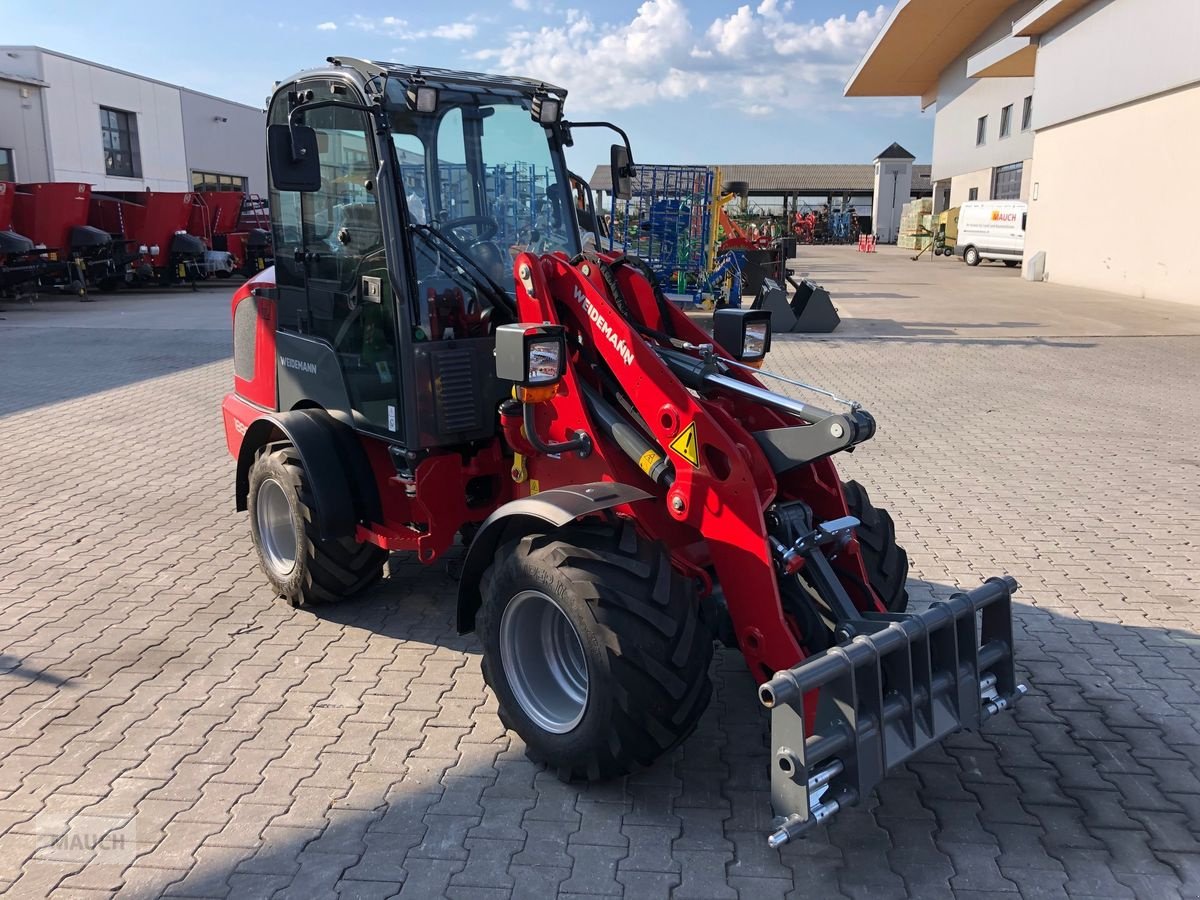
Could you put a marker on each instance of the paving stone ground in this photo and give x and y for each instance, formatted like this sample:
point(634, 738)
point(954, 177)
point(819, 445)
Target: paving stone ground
point(167, 727)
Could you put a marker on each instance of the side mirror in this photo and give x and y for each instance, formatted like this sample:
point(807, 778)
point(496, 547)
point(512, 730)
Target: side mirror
point(294, 158)
point(622, 173)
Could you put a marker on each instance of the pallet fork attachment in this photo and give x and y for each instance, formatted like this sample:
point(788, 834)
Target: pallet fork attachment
point(903, 682)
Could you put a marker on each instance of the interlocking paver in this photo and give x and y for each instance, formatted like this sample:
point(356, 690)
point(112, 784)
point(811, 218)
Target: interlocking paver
point(148, 678)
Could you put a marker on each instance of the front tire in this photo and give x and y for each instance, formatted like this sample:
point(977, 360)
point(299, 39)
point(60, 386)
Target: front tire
point(594, 648)
point(885, 560)
point(971, 256)
point(302, 567)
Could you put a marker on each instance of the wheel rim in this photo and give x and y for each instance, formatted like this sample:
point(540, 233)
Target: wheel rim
point(544, 662)
point(276, 534)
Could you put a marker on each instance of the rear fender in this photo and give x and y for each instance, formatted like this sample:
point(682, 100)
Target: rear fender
point(339, 474)
point(554, 508)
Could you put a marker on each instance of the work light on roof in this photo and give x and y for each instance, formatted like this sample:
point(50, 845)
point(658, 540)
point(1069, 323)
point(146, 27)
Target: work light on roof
point(420, 96)
point(544, 109)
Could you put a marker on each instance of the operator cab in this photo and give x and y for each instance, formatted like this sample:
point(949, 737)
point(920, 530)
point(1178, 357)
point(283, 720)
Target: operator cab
point(394, 262)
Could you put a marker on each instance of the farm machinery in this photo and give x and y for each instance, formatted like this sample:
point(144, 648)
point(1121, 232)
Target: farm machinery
point(15, 249)
point(151, 226)
point(235, 229)
point(78, 240)
point(628, 489)
point(59, 249)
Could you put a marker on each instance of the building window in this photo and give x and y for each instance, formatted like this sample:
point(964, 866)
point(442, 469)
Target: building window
point(212, 181)
point(1027, 113)
point(981, 131)
point(8, 169)
point(1006, 182)
point(945, 198)
point(1006, 121)
point(118, 131)
point(973, 194)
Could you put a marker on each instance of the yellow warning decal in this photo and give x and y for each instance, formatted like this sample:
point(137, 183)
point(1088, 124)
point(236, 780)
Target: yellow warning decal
point(685, 445)
point(648, 461)
point(534, 487)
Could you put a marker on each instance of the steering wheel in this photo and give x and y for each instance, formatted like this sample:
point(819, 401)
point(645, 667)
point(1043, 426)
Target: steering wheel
point(488, 226)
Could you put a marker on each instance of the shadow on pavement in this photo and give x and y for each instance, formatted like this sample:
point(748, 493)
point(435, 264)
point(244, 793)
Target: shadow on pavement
point(864, 329)
point(85, 361)
point(11, 667)
point(1091, 783)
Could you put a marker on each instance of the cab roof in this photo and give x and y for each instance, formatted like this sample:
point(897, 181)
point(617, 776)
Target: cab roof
point(447, 80)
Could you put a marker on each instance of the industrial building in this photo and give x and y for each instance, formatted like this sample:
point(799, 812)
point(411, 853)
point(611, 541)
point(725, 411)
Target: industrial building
point(67, 119)
point(1061, 103)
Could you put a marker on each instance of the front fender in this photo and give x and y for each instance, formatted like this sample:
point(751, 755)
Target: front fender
point(554, 508)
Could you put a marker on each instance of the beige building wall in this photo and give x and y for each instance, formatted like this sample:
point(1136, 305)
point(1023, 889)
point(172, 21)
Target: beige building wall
point(960, 186)
point(1095, 235)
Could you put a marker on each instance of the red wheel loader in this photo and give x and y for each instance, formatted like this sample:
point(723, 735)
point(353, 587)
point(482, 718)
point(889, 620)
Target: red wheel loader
point(431, 358)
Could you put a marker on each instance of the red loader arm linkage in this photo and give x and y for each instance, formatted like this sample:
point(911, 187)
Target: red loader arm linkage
point(843, 716)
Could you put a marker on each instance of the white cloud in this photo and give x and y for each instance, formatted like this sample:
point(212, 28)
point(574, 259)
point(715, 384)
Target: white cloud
point(389, 26)
point(455, 31)
point(393, 27)
point(327, 26)
point(756, 58)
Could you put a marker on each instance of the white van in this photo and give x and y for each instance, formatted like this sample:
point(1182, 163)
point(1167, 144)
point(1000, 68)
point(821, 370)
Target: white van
point(991, 229)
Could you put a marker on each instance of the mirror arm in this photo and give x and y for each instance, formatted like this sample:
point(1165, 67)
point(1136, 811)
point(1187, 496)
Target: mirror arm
point(629, 169)
point(297, 155)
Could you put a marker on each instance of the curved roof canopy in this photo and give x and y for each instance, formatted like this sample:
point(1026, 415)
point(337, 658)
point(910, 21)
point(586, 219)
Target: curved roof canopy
point(918, 41)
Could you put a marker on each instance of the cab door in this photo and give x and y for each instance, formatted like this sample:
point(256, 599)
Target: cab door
point(334, 293)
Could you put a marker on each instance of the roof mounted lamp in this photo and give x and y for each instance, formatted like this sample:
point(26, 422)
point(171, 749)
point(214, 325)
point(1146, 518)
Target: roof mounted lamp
point(544, 109)
point(420, 96)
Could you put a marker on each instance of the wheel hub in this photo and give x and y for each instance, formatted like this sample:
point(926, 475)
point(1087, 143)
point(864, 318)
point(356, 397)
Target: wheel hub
point(276, 534)
point(544, 662)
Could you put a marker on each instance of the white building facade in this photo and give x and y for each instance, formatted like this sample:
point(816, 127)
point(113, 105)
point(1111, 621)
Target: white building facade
point(1058, 103)
point(67, 119)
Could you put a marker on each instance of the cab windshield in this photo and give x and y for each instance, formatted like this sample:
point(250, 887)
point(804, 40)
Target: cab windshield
point(484, 175)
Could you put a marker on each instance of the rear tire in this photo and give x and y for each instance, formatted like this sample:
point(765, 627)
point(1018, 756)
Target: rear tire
point(886, 561)
point(594, 648)
point(1011, 263)
point(971, 256)
point(302, 567)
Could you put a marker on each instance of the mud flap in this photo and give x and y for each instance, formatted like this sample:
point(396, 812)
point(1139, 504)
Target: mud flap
point(902, 683)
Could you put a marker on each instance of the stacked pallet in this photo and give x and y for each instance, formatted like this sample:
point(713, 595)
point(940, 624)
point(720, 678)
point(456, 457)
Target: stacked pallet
point(916, 224)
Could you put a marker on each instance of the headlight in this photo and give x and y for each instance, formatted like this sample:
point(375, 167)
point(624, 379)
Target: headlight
point(531, 355)
point(545, 361)
point(745, 334)
point(754, 344)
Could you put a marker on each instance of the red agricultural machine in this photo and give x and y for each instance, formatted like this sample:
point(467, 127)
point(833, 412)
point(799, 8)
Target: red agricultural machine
point(235, 228)
point(65, 252)
point(152, 228)
point(628, 489)
point(16, 263)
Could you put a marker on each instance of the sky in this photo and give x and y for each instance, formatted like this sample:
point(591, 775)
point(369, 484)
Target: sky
point(691, 81)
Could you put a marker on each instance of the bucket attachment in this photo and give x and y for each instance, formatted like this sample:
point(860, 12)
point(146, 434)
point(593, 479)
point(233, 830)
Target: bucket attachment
point(903, 682)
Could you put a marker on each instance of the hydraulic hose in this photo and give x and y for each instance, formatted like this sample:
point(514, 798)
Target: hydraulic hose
point(581, 442)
